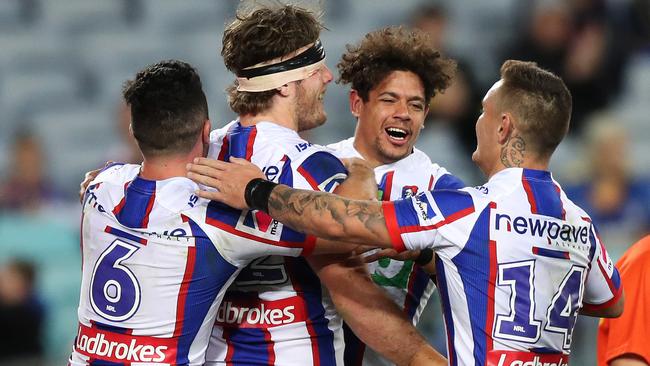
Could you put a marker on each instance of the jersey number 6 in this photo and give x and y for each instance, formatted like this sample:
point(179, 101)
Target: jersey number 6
point(114, 290)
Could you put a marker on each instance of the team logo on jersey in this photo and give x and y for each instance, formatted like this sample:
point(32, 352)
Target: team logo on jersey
point(409, 191)
point(254, 222)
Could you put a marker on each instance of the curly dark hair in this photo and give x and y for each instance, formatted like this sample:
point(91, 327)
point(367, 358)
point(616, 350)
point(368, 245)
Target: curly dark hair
point(262, 35)
point(168, 107)
point(540, 101)
point(366, 64)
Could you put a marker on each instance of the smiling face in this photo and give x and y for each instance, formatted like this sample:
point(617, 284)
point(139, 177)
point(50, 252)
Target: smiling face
point(310, 112)
point(390, 121)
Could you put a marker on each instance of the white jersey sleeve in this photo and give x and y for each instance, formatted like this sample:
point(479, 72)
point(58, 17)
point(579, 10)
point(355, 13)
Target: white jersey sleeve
point(603, 285)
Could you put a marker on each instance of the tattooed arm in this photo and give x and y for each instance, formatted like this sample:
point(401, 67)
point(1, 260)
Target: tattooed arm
point(325, 215)
point(330, 216)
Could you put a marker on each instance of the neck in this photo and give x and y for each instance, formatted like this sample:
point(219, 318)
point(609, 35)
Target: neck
point(533, 164)
point(164, 168)
point(280, 113)
point(170, 166)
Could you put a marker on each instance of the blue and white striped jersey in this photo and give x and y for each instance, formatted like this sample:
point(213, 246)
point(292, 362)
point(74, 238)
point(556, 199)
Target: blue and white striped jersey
point(516, 260)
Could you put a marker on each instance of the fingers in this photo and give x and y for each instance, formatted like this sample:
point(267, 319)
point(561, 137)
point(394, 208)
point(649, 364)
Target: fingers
point(210, 195)
point(88, 177)
point(213, 163)
point(205, 180)
point(390, 253)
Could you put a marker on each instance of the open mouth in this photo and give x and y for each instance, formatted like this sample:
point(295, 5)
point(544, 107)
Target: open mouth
point(397, 133)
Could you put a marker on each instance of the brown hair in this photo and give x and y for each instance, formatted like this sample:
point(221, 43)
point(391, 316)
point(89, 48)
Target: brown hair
point(540, 102)
point(168, 107)
point(381, 52)
point(262, 35)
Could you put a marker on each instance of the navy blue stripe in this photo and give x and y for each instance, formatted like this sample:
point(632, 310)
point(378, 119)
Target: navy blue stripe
point(473, 263)
point(420, 284)
point(238, 138)
point(551, 253)
point(105, 363)
point(321, 166)
point(110, 328)
point(211, 272)
point(545, 193)
point(136, 199)
point(449, 181)
point(125, 235)
point(450, 202)
point(446, 310)
point(405, 213)
point(223, 213)
point(249, 346)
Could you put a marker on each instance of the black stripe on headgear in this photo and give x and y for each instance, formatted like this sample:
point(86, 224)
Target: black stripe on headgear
point(312, 55)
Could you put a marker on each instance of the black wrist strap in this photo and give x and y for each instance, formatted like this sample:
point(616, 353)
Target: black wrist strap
point(257, 194)
point(426, 255)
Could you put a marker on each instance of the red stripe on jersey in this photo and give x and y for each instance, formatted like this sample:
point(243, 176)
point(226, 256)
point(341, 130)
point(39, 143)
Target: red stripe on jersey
point(312, 182)
point(389, 186)
point(230, 350)
point(431, 182)
point(120, 206)
point(145, 219)
point(610, 284)
point(529, 194)
point(310, 244)
point(307, 244)
point(251, 142)
point(182, 293)
point(224, 148)
point(606, 304)
point(269, 346)
point(489, 320)
point(392, 226)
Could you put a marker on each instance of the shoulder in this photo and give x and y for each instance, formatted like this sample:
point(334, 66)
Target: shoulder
point(117, 173)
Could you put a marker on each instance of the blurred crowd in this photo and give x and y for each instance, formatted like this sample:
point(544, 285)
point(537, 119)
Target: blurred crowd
point(63, 63)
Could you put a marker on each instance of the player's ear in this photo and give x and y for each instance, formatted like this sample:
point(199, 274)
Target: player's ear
point(205, 134)
point(284, 90)
point(505, 128)
point(355, 103)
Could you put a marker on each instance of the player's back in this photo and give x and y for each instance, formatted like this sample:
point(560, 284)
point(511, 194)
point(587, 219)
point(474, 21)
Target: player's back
point(154, 270)
point(516, 260)
point(298, 323)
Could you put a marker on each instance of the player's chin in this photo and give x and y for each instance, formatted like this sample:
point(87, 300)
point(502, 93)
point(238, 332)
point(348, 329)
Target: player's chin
point(395, 153)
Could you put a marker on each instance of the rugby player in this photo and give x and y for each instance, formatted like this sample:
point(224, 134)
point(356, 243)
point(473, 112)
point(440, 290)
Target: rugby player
point(516, 260)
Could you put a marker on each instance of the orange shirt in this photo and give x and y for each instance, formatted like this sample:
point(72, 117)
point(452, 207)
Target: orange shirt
point(631, 332)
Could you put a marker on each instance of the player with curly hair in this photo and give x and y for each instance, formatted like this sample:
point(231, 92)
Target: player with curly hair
point(393, 73)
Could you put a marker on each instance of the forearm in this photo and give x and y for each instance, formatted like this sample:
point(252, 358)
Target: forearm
point(371, 314)
point(329, 216)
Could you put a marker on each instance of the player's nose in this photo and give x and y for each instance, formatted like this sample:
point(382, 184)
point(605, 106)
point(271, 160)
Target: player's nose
point(327, 75)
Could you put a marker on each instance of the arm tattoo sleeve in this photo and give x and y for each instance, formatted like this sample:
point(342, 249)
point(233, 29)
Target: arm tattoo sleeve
point(329, 216)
